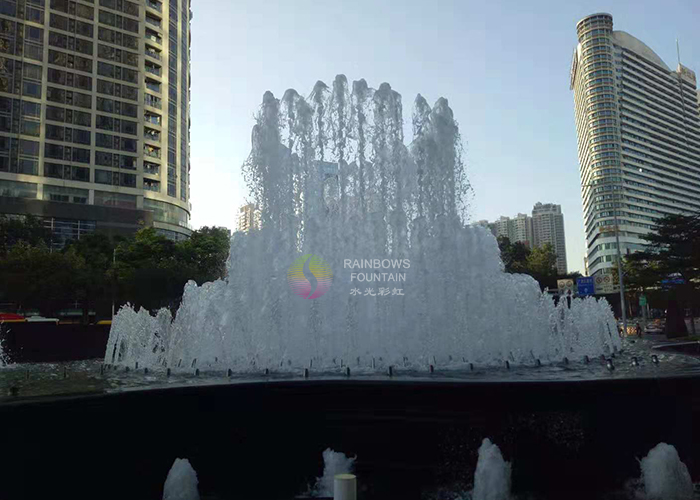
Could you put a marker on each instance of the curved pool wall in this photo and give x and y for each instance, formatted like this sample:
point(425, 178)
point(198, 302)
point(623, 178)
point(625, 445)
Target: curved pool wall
point(338, 187)
point(265, 439)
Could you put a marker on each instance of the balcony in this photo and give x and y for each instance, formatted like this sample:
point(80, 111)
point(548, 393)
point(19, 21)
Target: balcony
point(151, 151)
point(153, 21)
point(152, 53)
point(154, 5)
point(151, 168)
point(151, 135)
point(150, 185)
point(154, 37)
point(153, 101)
point(154, 70)
point(151, 118)
point(153, 85)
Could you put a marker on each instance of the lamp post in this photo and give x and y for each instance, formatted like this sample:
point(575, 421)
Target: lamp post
point(623, 306)
point(114, 279)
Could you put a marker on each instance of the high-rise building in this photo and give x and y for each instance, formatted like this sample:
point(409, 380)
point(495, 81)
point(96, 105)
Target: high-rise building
point(638, 129)
point(548, 228)
point(518, 228)
point(248, 218)
point(94, 114)
point(545, 226)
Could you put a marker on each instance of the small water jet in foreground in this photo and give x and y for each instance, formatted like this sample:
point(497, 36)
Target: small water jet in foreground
point(493, 474)
point(181, 483)
point(334, 463)
point(664, 476)
point(336, 186)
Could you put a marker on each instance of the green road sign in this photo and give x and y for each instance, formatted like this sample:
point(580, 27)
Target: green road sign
point(642, 300)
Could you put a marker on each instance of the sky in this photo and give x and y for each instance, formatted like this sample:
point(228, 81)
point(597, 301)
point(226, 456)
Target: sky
point(502, 65)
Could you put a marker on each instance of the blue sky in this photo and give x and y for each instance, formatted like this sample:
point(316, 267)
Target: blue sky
point(503, 66)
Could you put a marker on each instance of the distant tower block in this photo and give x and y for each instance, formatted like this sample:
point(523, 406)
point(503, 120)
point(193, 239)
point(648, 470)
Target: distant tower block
point(248, 218)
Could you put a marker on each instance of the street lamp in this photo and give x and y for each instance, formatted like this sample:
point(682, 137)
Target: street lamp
point(623, 306)
point(114, 278)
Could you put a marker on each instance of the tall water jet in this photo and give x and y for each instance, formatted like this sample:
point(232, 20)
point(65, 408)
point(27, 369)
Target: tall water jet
point(492, 476)
point(181, 483)
point(404, 276)
point(4, 358)
point(664, 476)
point(334, 463)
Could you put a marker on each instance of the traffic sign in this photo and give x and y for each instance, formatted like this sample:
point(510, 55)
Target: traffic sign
point(642, 300)
point(585, 285)
point(604, 284)
point(566, 287)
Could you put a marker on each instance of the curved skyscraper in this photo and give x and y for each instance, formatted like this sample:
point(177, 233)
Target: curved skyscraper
point(638, 138)
point(94, 114)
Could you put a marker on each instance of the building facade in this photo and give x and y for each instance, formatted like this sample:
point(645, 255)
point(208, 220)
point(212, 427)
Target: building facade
point(638, 129)
point(546, 225)
point(248, 218)
point(548, 228)
point(94, 114)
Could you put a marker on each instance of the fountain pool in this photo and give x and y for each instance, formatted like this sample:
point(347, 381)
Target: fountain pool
point(252, 381)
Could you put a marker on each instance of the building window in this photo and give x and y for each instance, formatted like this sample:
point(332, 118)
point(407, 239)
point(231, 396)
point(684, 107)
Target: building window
point(65, 194)
point(119, 200)
point(151, 185)
point(67, 172)
point(14, 189)
point(166, 212)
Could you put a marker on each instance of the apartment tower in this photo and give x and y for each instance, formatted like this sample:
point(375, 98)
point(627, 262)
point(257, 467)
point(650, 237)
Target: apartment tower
point(638, 129)
point(94, 114)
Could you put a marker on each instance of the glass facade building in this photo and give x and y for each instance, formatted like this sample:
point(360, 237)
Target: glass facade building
point(94, 112)
point(638, 129)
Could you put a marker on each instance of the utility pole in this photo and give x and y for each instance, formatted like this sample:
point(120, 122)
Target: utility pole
point(114, 278)
point(619, 271)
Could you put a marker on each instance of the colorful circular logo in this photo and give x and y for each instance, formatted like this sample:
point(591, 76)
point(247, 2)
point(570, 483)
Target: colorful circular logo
point(310, 276)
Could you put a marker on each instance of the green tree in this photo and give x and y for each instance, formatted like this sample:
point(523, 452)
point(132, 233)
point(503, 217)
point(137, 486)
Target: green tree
point(539, 262)
point(513, 255)
point(673, 251)
point(204, 254)
point(542, 261)
point(153, 270)
point(27, 229)
point(94, 276)
point(145, 269)
point(35, 278)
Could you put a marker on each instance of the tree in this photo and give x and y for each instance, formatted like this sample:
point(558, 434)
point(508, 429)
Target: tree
point(671, 260)
point(27, 229)
point(542, 261)
point(205, 253)
point(94, 276)
point(539, 262)
point(35, 278)
point(153, 270)
point(513, 255)
point(145, 269)
point(150, 270)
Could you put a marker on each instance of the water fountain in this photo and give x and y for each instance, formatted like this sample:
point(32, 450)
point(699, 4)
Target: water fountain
point(335, 181)
point(492, 477)
point(181, 483)
point(334, 462)
point(664, 476)
point(252, 379)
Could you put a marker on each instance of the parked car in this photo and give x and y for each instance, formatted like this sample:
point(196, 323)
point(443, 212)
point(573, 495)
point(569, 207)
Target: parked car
point(41, 319)
point(12, 318)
